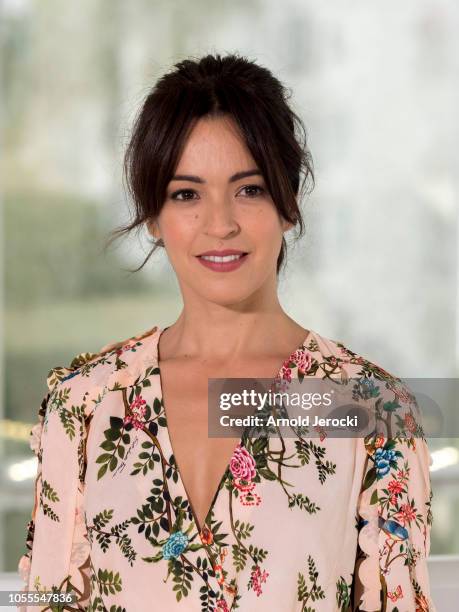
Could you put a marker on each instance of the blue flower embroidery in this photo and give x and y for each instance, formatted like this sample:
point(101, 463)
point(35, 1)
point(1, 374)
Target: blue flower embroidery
point(175, 545)
point(382, 461)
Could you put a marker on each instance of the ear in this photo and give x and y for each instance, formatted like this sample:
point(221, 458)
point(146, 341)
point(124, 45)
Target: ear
point(286, 225)
point(153, 229)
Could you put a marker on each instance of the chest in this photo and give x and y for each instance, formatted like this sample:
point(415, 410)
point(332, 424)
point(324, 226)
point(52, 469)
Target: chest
point(201, 458)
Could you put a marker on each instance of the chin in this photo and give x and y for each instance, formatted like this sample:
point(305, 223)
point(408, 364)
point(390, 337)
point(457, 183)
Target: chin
point(227, 296)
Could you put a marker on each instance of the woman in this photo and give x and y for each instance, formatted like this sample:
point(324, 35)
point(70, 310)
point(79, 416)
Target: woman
point(136, 507)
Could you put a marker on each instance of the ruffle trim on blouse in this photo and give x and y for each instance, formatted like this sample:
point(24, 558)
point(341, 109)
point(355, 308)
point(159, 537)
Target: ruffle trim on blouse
point(24, 563)
point(368, 569)
point(80, 557)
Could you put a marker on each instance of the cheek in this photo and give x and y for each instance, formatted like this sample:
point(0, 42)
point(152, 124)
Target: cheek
point(264, 226)
point(179, 227)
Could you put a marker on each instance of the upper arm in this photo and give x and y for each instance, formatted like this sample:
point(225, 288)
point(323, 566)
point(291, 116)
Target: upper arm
point(56, 527)
point(395, 509)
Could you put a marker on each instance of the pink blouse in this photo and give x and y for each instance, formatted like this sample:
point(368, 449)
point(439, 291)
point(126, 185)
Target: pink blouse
point(305, 524)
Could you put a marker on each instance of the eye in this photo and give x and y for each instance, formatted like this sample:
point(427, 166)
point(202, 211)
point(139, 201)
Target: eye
point(254, 187)
point(174, 196)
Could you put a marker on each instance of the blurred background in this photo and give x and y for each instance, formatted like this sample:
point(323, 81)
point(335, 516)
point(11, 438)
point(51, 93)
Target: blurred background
point(377, 269)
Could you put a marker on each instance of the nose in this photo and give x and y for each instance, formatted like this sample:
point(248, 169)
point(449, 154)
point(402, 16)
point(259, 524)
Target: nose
point(219, 220)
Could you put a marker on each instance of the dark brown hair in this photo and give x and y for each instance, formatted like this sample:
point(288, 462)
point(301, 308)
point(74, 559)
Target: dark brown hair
point(215, 85)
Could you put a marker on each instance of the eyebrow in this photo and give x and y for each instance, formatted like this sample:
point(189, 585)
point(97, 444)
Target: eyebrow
point(232, 178)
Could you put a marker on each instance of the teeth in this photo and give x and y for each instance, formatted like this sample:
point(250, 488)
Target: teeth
point(217, 259)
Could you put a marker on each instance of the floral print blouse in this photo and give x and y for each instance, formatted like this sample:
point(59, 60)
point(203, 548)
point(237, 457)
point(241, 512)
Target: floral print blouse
point(316, 524)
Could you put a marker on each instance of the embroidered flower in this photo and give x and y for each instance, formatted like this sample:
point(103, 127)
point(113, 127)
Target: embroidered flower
point(218, 569)
point(138, 411)
point(368, 384)
point(206, 536)
point(256, 578)
point(302, 359)
point(382, 461)
point(406, 514)
point(250, 499)
point(285, 371)
point(175, 545)
point(137, 404)
point(402, 475)
point(247, 497)
point(243, 485)
point(395, 487)
point(242, 464)
point(379, 442)
point(222, 605)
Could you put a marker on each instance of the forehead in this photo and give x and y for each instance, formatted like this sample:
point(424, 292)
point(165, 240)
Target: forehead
point(215, 144)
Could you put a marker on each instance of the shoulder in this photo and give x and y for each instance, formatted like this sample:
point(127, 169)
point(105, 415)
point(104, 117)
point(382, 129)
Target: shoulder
point(343, 357)
point(396, 413)
point(74, 389)
point(387, 395)
point(93, 369)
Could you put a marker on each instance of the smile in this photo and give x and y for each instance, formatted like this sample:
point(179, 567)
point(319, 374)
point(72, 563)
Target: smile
point(221, 259)
point(225, 263)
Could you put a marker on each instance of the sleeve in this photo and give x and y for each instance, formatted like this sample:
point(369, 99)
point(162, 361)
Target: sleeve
point(57, 547)
point(394, 510)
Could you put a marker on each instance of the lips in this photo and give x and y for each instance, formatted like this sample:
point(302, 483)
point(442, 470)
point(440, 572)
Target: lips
point(223, 253)
point(223, 263)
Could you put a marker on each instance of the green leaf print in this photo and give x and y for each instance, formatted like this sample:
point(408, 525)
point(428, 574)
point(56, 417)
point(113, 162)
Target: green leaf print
point(314, 592)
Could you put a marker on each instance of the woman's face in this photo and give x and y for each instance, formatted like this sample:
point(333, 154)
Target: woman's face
point(207, 208)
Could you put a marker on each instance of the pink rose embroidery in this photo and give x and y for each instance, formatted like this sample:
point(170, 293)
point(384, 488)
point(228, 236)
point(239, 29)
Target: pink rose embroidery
point(243, 469)
point(242, 464)
point(302, 360)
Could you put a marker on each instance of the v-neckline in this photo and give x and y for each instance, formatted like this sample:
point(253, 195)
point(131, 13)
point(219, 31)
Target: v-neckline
point(196, 521)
